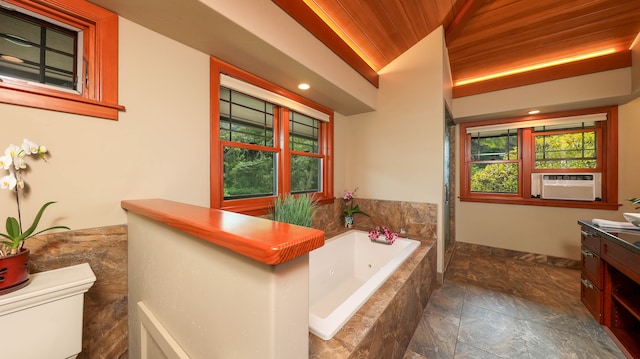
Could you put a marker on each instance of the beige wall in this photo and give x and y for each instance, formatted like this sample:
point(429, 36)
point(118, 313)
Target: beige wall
point(158, 148)
point(340, 143)
point(396, 152)
point(552, 231)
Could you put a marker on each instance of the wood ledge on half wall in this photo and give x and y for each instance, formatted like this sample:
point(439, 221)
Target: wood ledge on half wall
point(261, 239)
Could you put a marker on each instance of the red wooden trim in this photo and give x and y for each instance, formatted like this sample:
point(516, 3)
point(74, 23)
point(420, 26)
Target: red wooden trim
point(263, 240)
point(284, 165)
point(609, 166)
point(101, 49)
point(79, 105)
point(314, 24)
point(261, 206)
point(526, 167)
point(216, 158)
point(543, 202)
point(464, 161)
point(610, 172)
point(598, 64)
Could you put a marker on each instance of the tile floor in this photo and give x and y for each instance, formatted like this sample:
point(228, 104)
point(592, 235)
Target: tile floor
point(493, 307)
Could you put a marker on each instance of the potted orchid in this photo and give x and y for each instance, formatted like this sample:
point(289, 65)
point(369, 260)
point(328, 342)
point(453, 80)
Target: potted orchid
point(13, 257)
point(349, 208)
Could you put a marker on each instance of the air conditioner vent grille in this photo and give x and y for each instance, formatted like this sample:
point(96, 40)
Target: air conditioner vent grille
point(576, 187)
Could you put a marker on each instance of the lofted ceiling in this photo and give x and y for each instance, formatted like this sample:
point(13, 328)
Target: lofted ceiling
point(483, 37)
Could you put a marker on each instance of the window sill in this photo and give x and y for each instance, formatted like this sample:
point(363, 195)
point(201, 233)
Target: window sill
point(544, 202)
point(17, 94)
point(259, 209)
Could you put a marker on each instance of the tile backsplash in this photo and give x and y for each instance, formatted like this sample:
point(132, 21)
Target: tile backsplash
point(417, 219)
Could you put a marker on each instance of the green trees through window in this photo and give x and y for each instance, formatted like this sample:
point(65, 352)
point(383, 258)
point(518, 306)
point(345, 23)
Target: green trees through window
point(250, 156)
point(494, 167)
point(496, 159)
point(566, 150)
point(505, 160)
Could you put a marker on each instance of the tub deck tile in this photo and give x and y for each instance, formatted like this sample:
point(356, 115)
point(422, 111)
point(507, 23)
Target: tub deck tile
point(383, 327)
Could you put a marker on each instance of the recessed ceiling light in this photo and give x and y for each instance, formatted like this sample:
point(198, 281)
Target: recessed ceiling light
point(533, 112)
point(11, 58)
point(304, 86)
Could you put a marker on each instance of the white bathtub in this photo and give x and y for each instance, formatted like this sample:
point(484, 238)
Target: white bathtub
point(345, 272)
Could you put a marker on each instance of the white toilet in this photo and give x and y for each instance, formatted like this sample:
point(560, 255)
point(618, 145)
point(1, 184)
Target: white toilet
point(44, 319)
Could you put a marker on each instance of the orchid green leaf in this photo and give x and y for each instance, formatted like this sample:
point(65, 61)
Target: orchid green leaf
point(26, 234)
point(13, 228)
point(50, 228)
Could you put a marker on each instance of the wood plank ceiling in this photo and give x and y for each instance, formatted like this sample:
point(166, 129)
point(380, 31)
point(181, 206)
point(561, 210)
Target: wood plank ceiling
point(483, 36)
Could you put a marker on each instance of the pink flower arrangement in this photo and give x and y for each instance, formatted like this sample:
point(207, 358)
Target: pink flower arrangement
point(389, 237)
point(349, 208)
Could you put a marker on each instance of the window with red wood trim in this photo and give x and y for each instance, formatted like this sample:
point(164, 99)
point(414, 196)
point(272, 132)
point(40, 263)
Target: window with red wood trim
point(505, 161)
point(265, 146)
point(59, 55)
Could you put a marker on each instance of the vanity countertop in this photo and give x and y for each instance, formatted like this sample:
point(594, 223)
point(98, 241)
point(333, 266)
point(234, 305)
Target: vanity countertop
point(627, 238)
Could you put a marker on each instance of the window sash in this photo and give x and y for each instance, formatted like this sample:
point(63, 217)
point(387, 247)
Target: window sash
point(508, 179)
point(575, 157)
point(495, 145)
point(245, 119)
point(257, 177)
point(305, 173)
point(304, 133)
point(34, 50)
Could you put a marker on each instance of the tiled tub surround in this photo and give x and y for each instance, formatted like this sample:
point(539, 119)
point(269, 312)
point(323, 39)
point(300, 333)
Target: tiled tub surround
point(105, 330)
point(517, 255)
point(383, 327)
point(419, 220)
point(345, 272)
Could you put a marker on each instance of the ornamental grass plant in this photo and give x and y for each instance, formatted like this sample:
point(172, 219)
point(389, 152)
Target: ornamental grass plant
point(298, 210)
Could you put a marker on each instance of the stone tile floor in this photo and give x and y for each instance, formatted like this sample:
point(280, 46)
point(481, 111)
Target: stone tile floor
point(495, 307)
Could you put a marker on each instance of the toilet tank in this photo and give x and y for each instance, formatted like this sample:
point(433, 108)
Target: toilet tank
point(44, 319)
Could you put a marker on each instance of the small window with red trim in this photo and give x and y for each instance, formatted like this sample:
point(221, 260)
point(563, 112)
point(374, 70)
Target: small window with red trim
point(60, 56)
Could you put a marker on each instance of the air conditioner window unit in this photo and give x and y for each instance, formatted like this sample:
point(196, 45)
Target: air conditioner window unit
point(576, 187)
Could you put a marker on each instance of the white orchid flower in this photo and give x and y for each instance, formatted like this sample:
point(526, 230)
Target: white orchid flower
point(42, 151)
point(19, 163)
point(8, 182)
point(14, 151)
point(20, 183)
point(30, 147)
point(6, 162)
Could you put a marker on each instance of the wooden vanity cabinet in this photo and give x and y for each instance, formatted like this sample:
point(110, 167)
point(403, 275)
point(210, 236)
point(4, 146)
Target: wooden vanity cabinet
point(611, 282)
point(592, 274)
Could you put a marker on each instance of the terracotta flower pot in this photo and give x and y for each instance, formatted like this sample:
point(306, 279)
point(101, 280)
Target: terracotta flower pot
point(14, 271)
